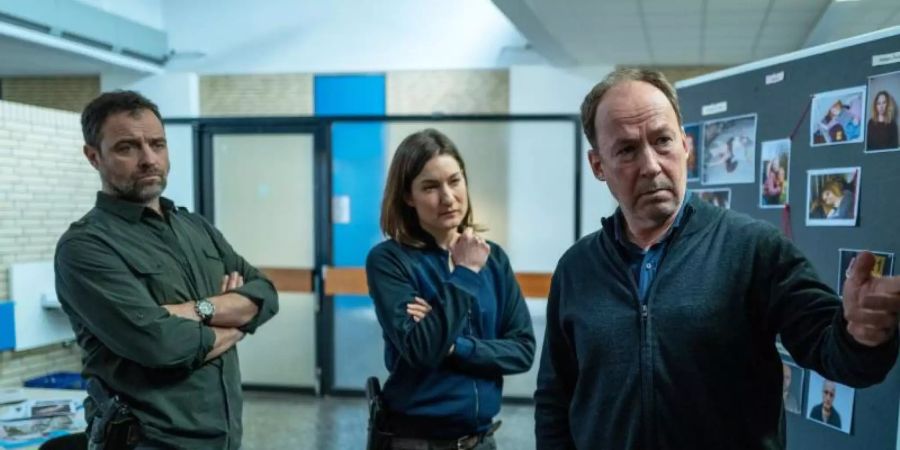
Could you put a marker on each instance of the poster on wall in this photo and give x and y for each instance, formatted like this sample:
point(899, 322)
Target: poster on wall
point(774, 172)
point(692, 141)
point(716, 197)
point(837, 117)
point(882, 129)
point(792, 387)
point(884, 264)
point(832, 196)
point(729, 150)
point(829, 403)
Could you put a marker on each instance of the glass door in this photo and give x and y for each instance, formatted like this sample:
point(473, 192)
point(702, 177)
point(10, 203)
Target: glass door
point(261, 193)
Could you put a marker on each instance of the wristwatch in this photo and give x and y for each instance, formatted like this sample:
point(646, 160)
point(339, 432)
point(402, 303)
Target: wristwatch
point(205, 309)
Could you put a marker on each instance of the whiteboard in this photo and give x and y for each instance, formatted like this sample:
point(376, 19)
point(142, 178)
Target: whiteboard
point(33, 284)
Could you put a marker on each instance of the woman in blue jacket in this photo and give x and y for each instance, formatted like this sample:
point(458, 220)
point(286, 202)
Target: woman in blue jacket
point(452, 313)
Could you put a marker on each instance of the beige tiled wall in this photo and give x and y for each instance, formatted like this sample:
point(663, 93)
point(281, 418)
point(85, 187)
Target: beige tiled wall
point(448, 92)
point(407, 92)
point(65, 93)
point(256, 95)
point(45, 184)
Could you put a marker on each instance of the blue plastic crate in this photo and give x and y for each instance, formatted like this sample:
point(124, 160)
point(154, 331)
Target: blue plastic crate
point(58, 380)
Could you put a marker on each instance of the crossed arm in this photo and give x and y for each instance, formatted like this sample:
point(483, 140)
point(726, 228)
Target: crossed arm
point(100, 292)
point(233, 310)
point(428, 333)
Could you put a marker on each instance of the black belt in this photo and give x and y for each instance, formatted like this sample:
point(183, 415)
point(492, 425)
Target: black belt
point(464, 443)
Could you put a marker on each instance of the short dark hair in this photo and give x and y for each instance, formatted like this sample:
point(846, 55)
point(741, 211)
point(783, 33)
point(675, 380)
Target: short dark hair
point(399, 220)
point(616, 77)
point(107, 104)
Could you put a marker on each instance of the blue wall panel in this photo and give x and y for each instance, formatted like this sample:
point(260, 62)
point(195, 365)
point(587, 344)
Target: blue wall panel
point(357, 160)
point(358, 171)
point(347, 95)
point(7, 326)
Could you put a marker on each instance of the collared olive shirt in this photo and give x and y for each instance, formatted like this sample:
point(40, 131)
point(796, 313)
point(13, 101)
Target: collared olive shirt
point(114, 269)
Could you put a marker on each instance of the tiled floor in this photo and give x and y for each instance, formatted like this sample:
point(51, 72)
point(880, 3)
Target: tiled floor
point(303, 422)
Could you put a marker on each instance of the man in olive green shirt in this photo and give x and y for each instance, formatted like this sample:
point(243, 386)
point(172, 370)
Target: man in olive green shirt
point(156, 295)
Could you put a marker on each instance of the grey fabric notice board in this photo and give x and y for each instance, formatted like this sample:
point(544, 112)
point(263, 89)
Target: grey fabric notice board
point(782, 110)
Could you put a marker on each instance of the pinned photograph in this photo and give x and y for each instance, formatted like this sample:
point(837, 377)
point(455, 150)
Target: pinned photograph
point(829, 403)
point(832, 196)
point(792, 387)
point(837, 117)
point(729, 150)
point(884, 264)
point(692, 140)
point(774, 165)
point(882, 129)
point(716, 197)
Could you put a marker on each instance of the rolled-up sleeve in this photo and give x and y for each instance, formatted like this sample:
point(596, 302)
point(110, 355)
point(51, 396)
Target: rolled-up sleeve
point(94, 284)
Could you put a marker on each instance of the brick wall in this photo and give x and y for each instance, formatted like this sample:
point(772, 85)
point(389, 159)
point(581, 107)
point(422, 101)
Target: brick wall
point(16, 367)
point(256, 95)
point(65, 93)
point(45, 184)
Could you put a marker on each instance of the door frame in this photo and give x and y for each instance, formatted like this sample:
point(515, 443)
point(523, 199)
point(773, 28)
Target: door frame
point(204, 130)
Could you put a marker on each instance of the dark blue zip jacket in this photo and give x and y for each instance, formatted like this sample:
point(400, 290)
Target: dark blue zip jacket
point(695, 366)
point(483, 314)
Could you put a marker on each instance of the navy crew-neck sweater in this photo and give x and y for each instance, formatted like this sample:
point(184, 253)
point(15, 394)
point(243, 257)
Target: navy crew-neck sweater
point(696, 366)
point(483, 314)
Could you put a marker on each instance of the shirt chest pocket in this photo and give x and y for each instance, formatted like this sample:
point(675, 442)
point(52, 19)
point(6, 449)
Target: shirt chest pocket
point(159, 284)
point(213, 270)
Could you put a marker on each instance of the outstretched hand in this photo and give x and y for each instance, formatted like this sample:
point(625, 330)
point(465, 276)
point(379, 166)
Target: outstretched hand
point(871, 303)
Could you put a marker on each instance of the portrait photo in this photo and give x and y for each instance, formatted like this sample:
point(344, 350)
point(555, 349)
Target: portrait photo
point(692, 140)
point(882, 129)
point(884, 264)
point(774, 169)
point(829, 403)
point(837, 117)
point(832, 196)
point(792, 387)
point(718, 197)
point(729, 150)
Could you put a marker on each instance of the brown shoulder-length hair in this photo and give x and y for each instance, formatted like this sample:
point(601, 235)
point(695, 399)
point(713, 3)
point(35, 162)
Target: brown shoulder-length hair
point(399, 220)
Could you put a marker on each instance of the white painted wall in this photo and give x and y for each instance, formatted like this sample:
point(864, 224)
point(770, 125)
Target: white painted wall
point(337, 36)
point(180, 186)
point(144, 12)
point(176, 93)
point(545, 90)
point(541, 204)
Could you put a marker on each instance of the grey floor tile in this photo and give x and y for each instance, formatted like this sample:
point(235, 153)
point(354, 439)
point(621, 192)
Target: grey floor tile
point(304, 422)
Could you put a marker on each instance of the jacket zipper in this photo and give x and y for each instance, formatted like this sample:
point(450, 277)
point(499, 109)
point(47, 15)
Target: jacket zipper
point(475, 385)
point(646, 374)
point(474, 382)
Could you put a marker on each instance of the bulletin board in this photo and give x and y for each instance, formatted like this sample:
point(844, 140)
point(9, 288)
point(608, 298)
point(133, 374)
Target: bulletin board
point(789, 96)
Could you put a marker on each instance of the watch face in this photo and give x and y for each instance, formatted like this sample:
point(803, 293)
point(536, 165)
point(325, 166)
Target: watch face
point(206, 308)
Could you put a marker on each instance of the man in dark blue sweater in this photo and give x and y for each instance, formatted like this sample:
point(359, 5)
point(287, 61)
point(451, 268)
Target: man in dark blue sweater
point(661, 326)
